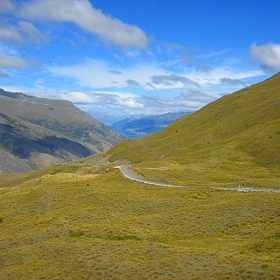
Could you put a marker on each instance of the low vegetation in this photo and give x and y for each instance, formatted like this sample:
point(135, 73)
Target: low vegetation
point(233, 140)
point(71, 226)
point(85, 220)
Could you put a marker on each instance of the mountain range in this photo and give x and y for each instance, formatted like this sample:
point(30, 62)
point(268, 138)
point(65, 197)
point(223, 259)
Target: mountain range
point(35, 132)
point(109, 119)
point(139, 126)
point(135, 126)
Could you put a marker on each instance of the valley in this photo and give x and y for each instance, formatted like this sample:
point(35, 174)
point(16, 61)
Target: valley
point(84, 219)
point(139, 140)
point(135, 127)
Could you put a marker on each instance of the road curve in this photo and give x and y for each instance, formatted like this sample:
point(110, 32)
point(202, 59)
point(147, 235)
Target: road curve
point(126, 171)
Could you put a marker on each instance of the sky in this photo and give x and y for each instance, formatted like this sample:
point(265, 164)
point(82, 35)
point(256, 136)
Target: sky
point(124, 57)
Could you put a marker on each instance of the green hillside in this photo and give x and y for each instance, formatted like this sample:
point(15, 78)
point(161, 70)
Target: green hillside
point(235, 139)
point(84, 220)
point(72, 225)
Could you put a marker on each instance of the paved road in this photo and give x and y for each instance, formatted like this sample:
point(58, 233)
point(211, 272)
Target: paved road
point(246, 189)
point(126, 171)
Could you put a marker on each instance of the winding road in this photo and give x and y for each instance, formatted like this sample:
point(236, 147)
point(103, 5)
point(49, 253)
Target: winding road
point(128, 173)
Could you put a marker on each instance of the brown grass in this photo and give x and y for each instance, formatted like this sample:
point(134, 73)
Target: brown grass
point(85, 221)
point(70, 226)
point(234, 139)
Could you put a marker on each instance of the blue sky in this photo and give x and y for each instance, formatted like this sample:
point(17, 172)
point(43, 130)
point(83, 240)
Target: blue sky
point(138, 56)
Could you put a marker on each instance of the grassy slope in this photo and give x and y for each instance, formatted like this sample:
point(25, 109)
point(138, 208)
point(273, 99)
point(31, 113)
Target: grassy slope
point(67, 222)
point(235, 139)
point(73, 226)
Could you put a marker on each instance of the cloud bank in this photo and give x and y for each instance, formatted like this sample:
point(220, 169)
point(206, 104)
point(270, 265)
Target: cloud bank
point(170, 80)
point(22, 32)
point(232, 81)
point(79, 12)
point(8, 61)
point(268, 55)
point(165, 77)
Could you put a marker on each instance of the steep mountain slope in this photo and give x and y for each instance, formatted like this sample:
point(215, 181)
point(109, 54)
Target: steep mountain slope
point(43, 131)
point(85, 220)
point(233, 139)
point(9, 163)
point(134, 128)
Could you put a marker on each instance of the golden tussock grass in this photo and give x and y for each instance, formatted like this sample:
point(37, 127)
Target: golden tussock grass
point(71, 226)
point(85, 221)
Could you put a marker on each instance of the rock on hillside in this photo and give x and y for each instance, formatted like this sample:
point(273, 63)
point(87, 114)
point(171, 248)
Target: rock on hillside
point(36, 132)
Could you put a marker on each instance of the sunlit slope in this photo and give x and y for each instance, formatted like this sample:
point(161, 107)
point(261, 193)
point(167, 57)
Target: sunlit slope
point(238, 131)
point(85, 220)
point(74, 226)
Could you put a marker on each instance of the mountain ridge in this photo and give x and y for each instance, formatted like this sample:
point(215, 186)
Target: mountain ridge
point(43, 131)
point(135, 128)
point(238, 132)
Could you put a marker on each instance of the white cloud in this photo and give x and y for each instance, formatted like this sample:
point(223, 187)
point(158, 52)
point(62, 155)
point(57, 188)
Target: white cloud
point(232, 81)
point(8, 61)
point(132, 82)
point(95, 98)
point(162, 104)
point(110, 99)
point(23, 32)
point(203, 67)
point(115, 72)
point(98, 73)
point(30, 32)
point(216, 76)
point(214, 54)
point(6, 6)
point(186, 57)
point(80, 97)
point(171, 80)
point(129, 103)
point(268, 55)
point(93, 73)
point(83, 14)
point(10, 32)
point(4, 74)
point(196, 96)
